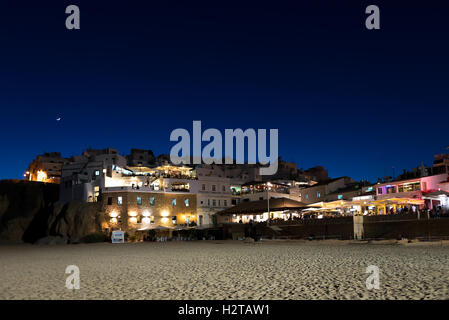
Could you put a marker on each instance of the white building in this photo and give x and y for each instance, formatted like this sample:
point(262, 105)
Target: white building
point(433, 189)
point(256, 190)
point(214, 193)
point(84, 177)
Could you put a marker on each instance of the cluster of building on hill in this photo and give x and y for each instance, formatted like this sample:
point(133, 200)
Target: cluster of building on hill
point(144, 192)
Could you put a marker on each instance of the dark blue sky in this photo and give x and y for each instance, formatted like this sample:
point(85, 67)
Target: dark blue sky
point(353, 100)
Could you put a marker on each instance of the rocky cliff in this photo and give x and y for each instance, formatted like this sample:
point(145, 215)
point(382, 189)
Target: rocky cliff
point(30, 211)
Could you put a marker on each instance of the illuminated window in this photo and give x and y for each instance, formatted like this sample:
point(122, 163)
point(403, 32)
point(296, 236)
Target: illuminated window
point(307, 196)
point(139, 201)
point(340, 196)
point(151, 201)
point(97, 172)
point(173, 219)
point(408, 187)
point(186, 202)
point(318, 194)
point(119, 201)
point(180, 186)
point(97, 193)
point(173, 202)
point(391, 189)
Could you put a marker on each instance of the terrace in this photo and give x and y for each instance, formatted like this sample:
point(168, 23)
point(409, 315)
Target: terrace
point(258, 187)
point(167, 171)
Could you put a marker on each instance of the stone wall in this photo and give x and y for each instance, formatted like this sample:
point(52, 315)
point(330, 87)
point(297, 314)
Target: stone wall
point(335, 228)
point(129, 213)
point(358, 227)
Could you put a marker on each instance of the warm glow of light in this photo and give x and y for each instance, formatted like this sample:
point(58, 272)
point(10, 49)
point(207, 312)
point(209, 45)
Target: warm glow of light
point(146, 213)
point(114, 220)
point(41, 176)
point(113, 214)
point(146, 220)
point(133, 220)
point(164, 220)
point(164, 213)
point(132, 213)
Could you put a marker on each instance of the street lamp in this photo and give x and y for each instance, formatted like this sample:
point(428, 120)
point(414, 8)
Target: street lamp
point(268, 202)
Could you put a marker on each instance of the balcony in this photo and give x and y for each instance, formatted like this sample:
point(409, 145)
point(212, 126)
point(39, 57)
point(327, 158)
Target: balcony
point(133, 189)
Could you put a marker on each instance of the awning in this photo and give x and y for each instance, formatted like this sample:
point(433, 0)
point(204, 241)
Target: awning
point(146, 228)
point(320, 210)
point(436, 195)
point(261, 206)
point(183, 228)
point(337, 204)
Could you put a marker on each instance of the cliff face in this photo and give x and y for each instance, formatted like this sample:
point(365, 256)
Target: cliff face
point(75, 220)
point(30, 211)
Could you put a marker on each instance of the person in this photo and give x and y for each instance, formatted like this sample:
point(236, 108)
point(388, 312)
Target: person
point(434, 212)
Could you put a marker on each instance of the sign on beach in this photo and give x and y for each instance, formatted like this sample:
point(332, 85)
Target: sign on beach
point(118, 237)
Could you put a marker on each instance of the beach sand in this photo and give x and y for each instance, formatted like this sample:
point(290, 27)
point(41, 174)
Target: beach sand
point(226, 270)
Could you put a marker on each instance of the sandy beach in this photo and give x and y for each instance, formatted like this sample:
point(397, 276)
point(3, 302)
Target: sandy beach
point(225, 270)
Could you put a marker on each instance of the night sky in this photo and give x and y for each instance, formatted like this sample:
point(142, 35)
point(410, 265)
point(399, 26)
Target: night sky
point(355, 101)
